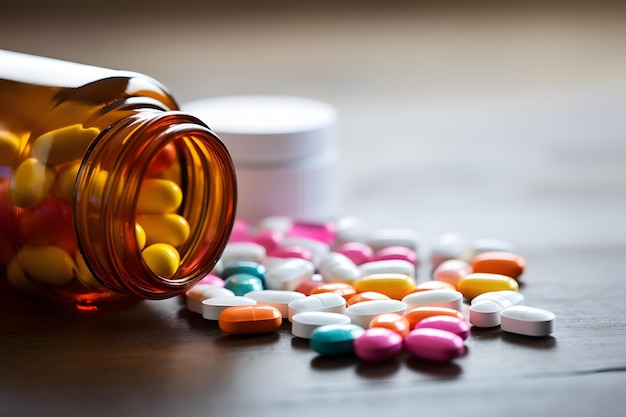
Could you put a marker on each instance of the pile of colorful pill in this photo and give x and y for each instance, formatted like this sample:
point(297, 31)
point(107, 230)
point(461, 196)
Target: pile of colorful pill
point(350, 291)
point(42, 190)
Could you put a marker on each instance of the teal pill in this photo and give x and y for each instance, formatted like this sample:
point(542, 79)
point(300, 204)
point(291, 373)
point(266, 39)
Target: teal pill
point(244, 267)
point(335, 339)
point(242, 284)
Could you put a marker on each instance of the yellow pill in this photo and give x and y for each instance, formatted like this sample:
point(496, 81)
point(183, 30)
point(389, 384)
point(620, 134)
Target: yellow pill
point(473, 285)
point(141, 236)
point(9, 147)
point(395, 286)
point(162, 259)
point(65, 180)
point(63, 145)
point(164, 228)
point(159, 196)
point(31, 183)
point(18, 280)
point(47, 264)
point(84, 274)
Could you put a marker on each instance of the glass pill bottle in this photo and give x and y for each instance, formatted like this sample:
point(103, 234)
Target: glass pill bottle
point(109, 194)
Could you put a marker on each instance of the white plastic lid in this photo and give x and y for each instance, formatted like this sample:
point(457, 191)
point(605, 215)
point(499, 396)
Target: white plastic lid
point(268, 128)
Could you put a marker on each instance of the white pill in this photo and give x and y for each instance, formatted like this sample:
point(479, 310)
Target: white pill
point(318, 249)
point(329, 302)
point(198, 293)
point(288, 274)
point(303, 324)
point(451, 271)
point(277, 299)
point(387, 266)
point(279, 224)
point(449, 246)
point(243, 251)
point(362, 313)
point(213, 307)
point(486, 308)
point(383, 238)
point(337, 267)
point(527, 321)
point(481, 245)
point(348, 229)
point(435, 298)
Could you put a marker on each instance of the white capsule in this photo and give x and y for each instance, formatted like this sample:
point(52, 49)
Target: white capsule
point(213, 307)
point(485, 309)
point(277, 299)
point(337, 267)
point(362, 313)
point(288, 274)
point(303, 324)
point(279, 224)
point(482, 245)
point(243, 251)
point(528, 321)
point(449, 246)
point(387, 266)
point(435, 298)
point(329, 302)
point(383, 238)
point(198, 293)
point(318, 249)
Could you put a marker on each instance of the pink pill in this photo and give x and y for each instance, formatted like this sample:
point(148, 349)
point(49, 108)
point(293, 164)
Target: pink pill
point(452, 271)
point(291, 252)
point(396, 252)
point(269, 239)
point(211, 279)
point(322, 232)
point(357, 252)
point(241, 232)
point(434, 345)
point(378, 344)
point(448, 323)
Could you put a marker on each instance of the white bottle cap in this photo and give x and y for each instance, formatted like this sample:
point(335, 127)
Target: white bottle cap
point(284, 150)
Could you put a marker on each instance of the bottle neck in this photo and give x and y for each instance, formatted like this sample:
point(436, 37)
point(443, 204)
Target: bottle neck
point(107, 195)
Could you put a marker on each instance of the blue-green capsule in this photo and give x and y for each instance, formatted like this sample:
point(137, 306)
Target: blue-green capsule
point(335, 339)
point(242, 284)
point(245, 267)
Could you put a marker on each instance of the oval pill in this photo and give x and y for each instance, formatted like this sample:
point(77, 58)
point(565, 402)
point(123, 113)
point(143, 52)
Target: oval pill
point(383, 238)
point(325, 302)
point(47, 264)
point(392, 321)
point(336, 267)
point(527, 321)
point(362, 313)
point(291, 252)
point(452, 271)
point(213, 307)
point(277, 299)
point(387, 266)
point(243, 283)
point(162, 259)
point(322, 232)
point(169, 228)
point(159, 196)
point(396, 252)
point(417, 314)
point(250, 319)
point(357, 252)
point(395, 286)
point(435, 298)
point(433, 285)
point(303, 324)
point(63, 145)
point(378, 344)
point(335, 339)
point(504, 263)
point(475, 284)
point(366, 296)
point(434, 345)
point(31, 183)
point(448, 323)
point(343, 289)
point(200, 292)
point(288, 274)
point(243, 251)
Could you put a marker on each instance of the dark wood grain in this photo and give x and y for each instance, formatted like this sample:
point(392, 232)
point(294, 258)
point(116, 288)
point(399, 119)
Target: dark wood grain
point(504, 123)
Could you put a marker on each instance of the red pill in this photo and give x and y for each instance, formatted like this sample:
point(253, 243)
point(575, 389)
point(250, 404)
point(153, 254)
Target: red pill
point(164, 159)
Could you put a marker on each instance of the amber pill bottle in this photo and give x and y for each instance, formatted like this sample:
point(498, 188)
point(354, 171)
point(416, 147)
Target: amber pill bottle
point(108, 193)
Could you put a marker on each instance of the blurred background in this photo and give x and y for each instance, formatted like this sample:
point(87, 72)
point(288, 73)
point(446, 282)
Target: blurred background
point(493, 119)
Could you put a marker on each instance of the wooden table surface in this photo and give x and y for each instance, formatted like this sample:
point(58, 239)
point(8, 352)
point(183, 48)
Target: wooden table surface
point(505, 123)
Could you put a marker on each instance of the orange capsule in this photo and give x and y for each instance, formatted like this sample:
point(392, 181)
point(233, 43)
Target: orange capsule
point(392, 321)
point(418, 314)
point(366, 296)
point(504, 263)
point(307, 286)
point(250, 319)
point(341, 288)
